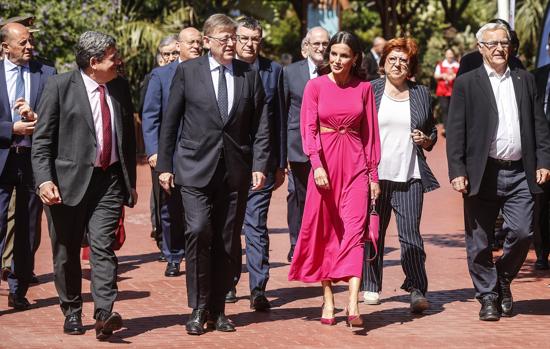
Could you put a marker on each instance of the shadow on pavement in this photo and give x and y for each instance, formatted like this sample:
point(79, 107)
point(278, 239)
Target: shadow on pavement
point(445, 240)
point(290, 294)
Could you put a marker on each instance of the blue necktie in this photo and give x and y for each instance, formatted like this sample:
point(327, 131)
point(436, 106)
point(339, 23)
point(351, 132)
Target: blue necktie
point(223, 103)
point(19, 91)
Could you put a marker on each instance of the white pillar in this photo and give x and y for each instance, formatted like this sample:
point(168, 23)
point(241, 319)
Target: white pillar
point(504, 9)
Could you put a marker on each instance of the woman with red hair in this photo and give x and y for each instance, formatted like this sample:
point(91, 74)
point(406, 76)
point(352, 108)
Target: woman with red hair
point(407, 128)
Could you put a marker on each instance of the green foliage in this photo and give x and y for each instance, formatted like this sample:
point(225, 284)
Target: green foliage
point(282, 35)
point(528, 27)
point(362, 21)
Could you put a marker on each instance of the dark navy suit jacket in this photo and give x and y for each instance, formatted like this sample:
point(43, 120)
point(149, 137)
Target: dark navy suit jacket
point(39, 74)
point(154, 106)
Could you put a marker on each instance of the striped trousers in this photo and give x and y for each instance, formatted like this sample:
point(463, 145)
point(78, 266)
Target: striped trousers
point(405, 199)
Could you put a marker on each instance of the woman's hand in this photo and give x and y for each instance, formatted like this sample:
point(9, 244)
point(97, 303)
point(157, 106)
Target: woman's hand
point(321, 178)
point(374, 190)
point(419, 138)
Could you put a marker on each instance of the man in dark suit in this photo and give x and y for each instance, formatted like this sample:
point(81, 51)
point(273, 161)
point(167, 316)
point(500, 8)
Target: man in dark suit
point(84, 162)
point(542, 238)
point(249, 38)
point(372, 58)
point(295, 78)
point(498, 150)
point(224, 138)
point(156, 101)
point(22, 80)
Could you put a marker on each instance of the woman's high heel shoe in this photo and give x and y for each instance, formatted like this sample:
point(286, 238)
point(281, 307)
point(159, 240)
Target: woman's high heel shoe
point(354, 320)
point(327, 321)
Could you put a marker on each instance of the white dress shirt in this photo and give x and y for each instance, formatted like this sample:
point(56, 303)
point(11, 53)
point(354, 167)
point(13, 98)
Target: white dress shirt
point(215, 72)
point(398, 162)
point(312, 69)
point(92, 89)
point(12, 71)
point(506, 144)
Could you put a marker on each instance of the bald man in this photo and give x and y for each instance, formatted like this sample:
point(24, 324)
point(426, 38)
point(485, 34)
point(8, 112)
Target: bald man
point(295, 77)
point(156, 100)
point(21, 82)
point(372, 58)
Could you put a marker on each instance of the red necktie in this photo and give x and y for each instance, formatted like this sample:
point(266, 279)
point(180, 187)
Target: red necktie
point(105, 156)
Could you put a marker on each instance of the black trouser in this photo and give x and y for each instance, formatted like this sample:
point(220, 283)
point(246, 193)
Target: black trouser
point(444, 105)
point(98, 213)
point(296, 198)
point(542, 229)
point(405, 200)
point(214, 217)
point(503, 187)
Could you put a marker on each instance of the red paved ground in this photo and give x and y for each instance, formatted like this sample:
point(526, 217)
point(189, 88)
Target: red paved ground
point(154, 307)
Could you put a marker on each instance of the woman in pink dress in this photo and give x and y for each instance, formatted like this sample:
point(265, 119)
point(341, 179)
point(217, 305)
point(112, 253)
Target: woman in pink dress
point(340, 136)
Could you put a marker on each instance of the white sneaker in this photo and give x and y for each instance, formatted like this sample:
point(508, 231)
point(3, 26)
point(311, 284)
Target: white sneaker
point(371, 298)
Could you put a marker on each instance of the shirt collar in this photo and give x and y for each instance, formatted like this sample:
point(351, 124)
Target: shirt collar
point(9, 65)
point(492, 73)
point(90, 84)
point(214, 64)
point(312, 66)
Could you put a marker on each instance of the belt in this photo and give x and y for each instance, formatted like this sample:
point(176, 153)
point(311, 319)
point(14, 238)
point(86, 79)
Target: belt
point(340, 130)
point(20, 150)
point(506, 163)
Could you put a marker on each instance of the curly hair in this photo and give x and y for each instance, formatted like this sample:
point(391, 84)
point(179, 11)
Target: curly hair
point(405, 45)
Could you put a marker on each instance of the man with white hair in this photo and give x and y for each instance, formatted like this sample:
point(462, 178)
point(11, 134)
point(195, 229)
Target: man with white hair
point(498, 150)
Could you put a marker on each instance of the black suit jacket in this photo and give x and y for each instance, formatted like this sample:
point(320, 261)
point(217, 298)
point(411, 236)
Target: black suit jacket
point(243, 139)
point(296, 76)
point(421, 119)
point(541, 79)
point(371, 66)
point(474, 60)
point(64, 143)
point(473, 121)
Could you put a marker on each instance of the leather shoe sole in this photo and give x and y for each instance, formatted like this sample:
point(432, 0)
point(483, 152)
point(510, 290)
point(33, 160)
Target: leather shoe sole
point(113, 323)
point(194, 329)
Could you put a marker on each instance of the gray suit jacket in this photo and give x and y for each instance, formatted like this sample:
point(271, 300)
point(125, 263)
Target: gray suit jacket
point(296, 75)
point(64, 143)
point(421, 119)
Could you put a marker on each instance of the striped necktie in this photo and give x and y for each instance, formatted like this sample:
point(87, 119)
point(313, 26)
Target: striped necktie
point(223, 103)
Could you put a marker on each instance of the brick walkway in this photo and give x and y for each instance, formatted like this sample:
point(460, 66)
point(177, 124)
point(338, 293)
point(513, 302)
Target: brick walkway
point(154, 307)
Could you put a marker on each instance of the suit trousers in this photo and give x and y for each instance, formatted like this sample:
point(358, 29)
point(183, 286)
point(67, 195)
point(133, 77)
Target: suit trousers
point(542, 229)
point(214, 216)
point(296, 198)
point(98, 213)
point(17, 175)
point(256, 235)
point(503, 187)
point(170, 214)
point(406, 200)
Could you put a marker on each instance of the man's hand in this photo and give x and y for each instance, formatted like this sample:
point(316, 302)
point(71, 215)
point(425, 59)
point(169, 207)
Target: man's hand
point(460, 184)
point(374, 190)
point(543, 175)
point(279, 178)
point(23, 128)
point(49, 194)
point(321, 178)
point(134, 196)
point(258, 180)
point(166, 180)
point(152, 160)
point(25, 110)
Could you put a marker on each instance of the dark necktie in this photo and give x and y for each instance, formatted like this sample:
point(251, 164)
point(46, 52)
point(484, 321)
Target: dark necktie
point(19, 93)
point(223, 103)
point(105, 156)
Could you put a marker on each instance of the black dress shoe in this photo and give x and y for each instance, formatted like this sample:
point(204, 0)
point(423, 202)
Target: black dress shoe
point(258, 301)
point(18, 303)
point(489, 310)
point(73, 324)
point(505, 297)
point(541, 264)
point(172, 269)
point(223, 324)
point(290, 254)
point(231, 296)
point(419, 303)
point(106, 324)
point(195, 324)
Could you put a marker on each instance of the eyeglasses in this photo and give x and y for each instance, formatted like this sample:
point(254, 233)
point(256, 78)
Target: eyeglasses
point(400, 61)
point(224, 40)
point(318, 44)
point(491, 45)
point(245, 39)
point(170, 53)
